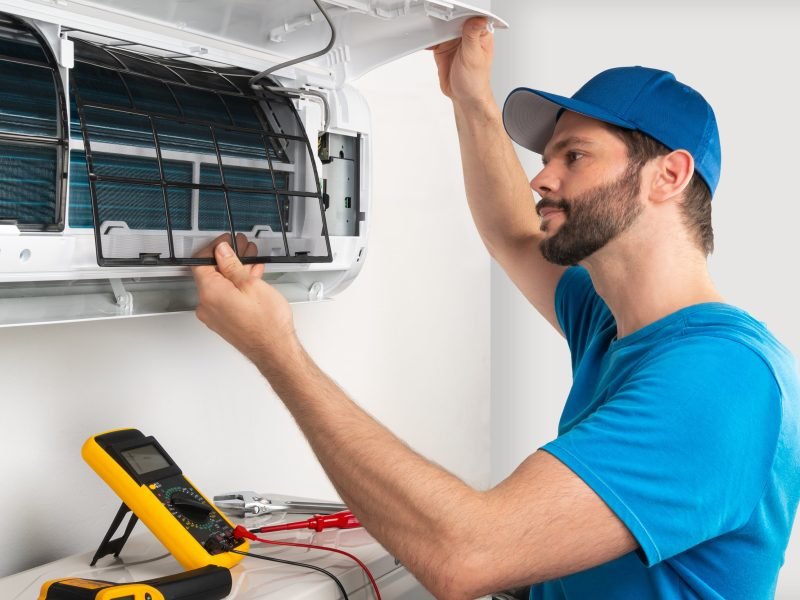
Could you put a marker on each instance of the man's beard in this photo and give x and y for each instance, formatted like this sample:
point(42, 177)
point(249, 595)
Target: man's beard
point(592, 219)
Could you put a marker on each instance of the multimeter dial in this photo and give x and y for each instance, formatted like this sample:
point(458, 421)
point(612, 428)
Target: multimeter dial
point(189, 507)
point(192, 511)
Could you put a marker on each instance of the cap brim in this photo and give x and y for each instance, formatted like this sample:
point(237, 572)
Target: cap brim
point(530, 116)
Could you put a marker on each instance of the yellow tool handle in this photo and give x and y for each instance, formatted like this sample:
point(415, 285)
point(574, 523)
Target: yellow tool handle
point(208, 583)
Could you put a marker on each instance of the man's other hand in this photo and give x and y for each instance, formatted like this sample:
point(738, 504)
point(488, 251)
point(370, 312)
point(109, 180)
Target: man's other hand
point(240, 306)
point(465, 64)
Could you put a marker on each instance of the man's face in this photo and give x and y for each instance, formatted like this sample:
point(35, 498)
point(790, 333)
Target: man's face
point(589, 189)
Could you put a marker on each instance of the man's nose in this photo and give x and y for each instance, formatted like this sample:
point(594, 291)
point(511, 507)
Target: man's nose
point(545, 183)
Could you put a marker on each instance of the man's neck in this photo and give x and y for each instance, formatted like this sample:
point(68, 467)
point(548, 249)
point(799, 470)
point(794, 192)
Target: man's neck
point(644, 282)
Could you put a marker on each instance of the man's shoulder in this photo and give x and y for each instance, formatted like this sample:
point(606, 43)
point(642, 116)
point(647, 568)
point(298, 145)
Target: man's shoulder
point(717, 340)
point(720, 325)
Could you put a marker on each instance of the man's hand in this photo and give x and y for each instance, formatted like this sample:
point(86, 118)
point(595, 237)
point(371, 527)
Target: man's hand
point(465, 64)
point(240, 306)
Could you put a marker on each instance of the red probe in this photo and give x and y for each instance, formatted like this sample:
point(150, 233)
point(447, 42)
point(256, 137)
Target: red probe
point(340, 520)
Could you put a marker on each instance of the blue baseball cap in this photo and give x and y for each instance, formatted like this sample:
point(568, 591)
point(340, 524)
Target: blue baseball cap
point(647, 100)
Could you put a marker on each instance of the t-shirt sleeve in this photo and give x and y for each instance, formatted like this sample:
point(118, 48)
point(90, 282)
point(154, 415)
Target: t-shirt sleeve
point(683, 451)
point(580, 311)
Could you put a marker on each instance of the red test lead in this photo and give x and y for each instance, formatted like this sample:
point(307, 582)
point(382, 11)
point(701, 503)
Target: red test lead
point(348, 520)
point(340, 520)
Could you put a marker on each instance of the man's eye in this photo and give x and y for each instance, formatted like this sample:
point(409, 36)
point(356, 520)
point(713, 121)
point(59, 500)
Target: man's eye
point(572, 156)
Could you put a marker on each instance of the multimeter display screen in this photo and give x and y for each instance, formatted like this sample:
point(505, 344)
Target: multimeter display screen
point(145, 459)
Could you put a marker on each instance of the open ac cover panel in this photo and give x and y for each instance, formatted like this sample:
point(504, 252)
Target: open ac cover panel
point(131, 136)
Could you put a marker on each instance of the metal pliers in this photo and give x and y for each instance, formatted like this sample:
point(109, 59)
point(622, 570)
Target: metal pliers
point(250, 504)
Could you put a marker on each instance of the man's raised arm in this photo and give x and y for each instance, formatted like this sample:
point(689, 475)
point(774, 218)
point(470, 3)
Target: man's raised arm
point(498, 191)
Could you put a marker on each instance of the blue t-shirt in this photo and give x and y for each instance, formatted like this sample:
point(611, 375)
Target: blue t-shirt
point(689, 429)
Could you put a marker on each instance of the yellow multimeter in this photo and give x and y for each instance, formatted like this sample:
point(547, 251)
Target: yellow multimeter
point(151, 485)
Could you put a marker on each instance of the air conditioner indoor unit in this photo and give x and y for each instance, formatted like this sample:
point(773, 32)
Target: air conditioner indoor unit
point(134, 132)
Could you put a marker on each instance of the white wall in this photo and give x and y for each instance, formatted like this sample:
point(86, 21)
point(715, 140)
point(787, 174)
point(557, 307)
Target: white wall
point(743, 57)
point(409, 340)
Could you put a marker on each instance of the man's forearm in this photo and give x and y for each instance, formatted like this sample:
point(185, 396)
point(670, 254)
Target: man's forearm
point(406, 502)
point(460, 543)
point(497, 188)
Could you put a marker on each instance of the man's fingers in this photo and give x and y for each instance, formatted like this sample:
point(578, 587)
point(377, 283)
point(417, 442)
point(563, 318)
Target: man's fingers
point(250, 250)
point(208, 250)
point(445, 46)
point(229, 265)
point(201, 274)
point(241, 243)
point(474, 28)
point(232, 270)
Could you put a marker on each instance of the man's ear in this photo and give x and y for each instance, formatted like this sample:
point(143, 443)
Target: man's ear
point(673, 172)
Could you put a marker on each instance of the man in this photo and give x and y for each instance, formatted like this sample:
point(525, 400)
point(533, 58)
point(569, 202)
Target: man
point(675, 473)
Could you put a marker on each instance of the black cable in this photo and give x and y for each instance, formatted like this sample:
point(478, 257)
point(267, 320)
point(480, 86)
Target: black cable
point(297, 564)
point(294, 61)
